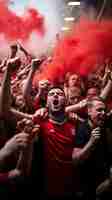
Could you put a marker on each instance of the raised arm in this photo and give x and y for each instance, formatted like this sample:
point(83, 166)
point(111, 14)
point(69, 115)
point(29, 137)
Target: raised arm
point(3, 64)
point(20, 115)
point(5, 93)
point(23, 49)
point(106, 73)
point(81, 154)
point(107, 89)
point(76, 107)
point(27, 89)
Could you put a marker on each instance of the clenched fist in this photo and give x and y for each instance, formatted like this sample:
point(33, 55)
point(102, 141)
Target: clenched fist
point(96, 134)
point(17, 142)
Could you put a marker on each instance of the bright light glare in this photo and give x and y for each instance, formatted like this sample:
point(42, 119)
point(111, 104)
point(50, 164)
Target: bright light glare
point(74, 3)
point(65, 28)
point(69, 18)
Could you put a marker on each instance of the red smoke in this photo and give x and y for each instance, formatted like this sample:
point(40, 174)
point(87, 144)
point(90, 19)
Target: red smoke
point(90, 43)
point(15, 27)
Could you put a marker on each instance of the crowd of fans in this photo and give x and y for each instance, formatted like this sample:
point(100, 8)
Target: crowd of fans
point(55, 140)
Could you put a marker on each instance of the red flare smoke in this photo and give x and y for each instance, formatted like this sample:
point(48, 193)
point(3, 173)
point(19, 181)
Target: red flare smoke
point(89, 44)
point(15, 27)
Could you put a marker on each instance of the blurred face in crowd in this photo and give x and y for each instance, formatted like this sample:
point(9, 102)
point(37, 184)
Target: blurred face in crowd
point(92, 92)
point(56, 100)
point(73, 95)
point(19, 101)
point(96, 112)
point(74, 80)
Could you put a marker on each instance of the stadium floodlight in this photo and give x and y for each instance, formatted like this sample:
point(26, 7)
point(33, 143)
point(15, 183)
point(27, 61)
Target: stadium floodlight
point(65, 28)
point(69, 19)
point(74, 3)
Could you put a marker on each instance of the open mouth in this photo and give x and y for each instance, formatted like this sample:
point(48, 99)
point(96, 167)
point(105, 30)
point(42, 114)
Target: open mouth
point(55, 102)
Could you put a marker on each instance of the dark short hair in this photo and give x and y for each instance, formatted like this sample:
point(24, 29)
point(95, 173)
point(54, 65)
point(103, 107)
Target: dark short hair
point(57, 87)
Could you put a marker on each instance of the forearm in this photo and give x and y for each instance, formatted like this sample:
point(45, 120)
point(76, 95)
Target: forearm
point(82, 154)
point(104, 79)
point(76, 107)
point(5, 95)
point(24, 163)
point(106, 91)
point(72, 108)
point(24, 70)
point(104, 186)
point(19, 115)
point(4, 154)
point(24, 51)
point(3, 64)
point(27, 88)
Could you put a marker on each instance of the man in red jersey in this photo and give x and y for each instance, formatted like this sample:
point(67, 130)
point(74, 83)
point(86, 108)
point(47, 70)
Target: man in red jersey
point(58, 137)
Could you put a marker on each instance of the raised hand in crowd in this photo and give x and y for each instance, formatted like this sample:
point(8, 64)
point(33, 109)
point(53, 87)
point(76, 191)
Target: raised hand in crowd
point(43, 87)
point(13, 64)
point(95, 135)
point(36, 63)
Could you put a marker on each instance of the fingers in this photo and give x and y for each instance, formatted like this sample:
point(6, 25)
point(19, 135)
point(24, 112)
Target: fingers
point(35, 132)
point(96, 130)
point(44, 84)
point(25, 125)
point(36, 63)
point(22, 140)
point(21, 135)
point(41, 113)
point(17, 142)
point(13, 60)
point(96, 134)
point(83, 103)
point(29, 130)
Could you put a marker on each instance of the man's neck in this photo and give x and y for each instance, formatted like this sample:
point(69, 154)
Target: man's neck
point(57, 117)
point(91, 124)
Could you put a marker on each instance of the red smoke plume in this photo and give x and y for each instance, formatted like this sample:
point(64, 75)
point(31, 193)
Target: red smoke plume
point(15, 27)
point(89, 44)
